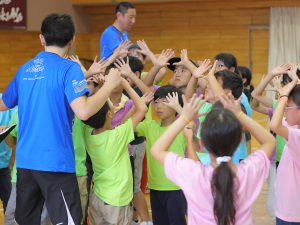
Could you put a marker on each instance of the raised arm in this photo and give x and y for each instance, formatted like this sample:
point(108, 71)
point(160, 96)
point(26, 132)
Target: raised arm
point(264, 137)
point(214, 84)
point(161, 62)
point(276, 121)
point(84, 107)
point(127, 72)
point(120, 51)
point(139, 104)
point(192, 141)
point(197, 76)
point(257, 93)
point(258, 107)
point(160, 148)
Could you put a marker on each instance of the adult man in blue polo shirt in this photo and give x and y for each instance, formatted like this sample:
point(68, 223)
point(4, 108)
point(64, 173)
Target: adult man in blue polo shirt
point(48, 90)
point(114, 34)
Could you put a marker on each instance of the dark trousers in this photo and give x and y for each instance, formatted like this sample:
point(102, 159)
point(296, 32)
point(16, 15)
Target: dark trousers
point(282, 222)
point(168, 207)
point(59, 191)
point(5, 186)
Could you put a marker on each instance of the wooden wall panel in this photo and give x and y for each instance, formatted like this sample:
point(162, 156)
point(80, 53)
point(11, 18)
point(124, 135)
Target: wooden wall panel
point(204, 28)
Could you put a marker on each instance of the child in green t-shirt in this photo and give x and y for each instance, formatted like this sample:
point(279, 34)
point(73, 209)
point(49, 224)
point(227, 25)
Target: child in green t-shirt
point(167, 200)
point(110, 199)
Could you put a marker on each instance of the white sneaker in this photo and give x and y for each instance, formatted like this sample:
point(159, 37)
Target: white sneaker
point(149, 222)
point(135, 223)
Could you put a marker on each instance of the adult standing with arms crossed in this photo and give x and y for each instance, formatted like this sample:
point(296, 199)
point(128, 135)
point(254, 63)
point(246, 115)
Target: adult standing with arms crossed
point(48, 90)
point(113, 35)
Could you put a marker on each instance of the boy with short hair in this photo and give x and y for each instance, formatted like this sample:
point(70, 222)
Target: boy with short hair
point(110, 199)
point(167, 200)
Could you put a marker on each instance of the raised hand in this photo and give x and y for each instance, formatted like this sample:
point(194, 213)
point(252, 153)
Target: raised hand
point(172, 101)
point(184, 58)
point(123, 66)
point(204, 66)
point(191, 108)
point(164, 57)
point(213, 69)
point(280, 70)
point(293, 71)
point(114, 77)
point(285, 91)
point(122, 49)
point(98, 67)
point(144, 48)
point(147, 97)
point(230, 103)
point(275, 83)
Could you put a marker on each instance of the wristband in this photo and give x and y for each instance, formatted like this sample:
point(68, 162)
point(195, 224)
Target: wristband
point(239, 115)
point(186, 119)
point(284, 99)
point(282, 96)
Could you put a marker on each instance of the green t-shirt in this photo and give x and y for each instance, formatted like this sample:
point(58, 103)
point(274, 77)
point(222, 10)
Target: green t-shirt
point(280, 141)
point(14, 120)
point(79, 147)
point(113, 182)
point(157, 179)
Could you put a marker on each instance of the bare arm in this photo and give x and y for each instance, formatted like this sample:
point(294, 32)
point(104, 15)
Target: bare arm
point(192, 142)
point(257, 93)
point(264, 137)
point(276, 121)
point(139, 104)
point(85, 107)
point(160, 148)
point(259, 108)
point(127, 72)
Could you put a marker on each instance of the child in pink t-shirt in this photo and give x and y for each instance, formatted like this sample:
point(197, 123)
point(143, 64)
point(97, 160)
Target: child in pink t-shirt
point(287, 189)
point(221, 193)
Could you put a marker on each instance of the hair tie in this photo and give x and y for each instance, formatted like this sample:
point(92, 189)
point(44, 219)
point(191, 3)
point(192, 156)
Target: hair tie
point(222, 159)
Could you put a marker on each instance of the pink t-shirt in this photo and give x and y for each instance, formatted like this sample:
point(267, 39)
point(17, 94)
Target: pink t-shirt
point(194, 179)
point(287, 189)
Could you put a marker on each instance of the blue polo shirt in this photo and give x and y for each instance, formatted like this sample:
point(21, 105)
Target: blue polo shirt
point(111, 39)
point(43, 89)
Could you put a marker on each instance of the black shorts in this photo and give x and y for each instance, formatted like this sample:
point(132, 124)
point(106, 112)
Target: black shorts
point(58, 190)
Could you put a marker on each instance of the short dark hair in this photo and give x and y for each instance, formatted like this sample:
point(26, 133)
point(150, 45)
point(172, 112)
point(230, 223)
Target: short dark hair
point(98, 119)
point(135, 64)
point(295, 95)
point(110, 66)
point(231, 81)
point(122, 7)
point(245, 73)
point(163, 92)
point(228, 59)
point(58, 29)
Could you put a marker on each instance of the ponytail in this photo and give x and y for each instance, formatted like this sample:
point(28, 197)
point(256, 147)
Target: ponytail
point(222, 186)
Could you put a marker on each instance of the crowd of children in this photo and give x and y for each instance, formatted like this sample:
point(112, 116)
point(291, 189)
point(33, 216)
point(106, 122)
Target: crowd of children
point(200, 166)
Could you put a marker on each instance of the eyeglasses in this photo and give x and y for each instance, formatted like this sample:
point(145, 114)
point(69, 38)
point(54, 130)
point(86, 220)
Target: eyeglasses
point(291, 107)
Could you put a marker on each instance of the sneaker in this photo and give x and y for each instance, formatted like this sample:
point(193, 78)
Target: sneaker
point(149, 222)
point(133, 222)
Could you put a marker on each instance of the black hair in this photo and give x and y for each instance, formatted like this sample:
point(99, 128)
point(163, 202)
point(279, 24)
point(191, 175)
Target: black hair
point(229, 60)
point(245, 73)
point(122, 7)
point(98, 119)
point(231, 81)
point(295, 95)
point(221, 134)
point(286, 78)
point(135, 64)
point(58, 29)
point(163, 92)
point(110, 66)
